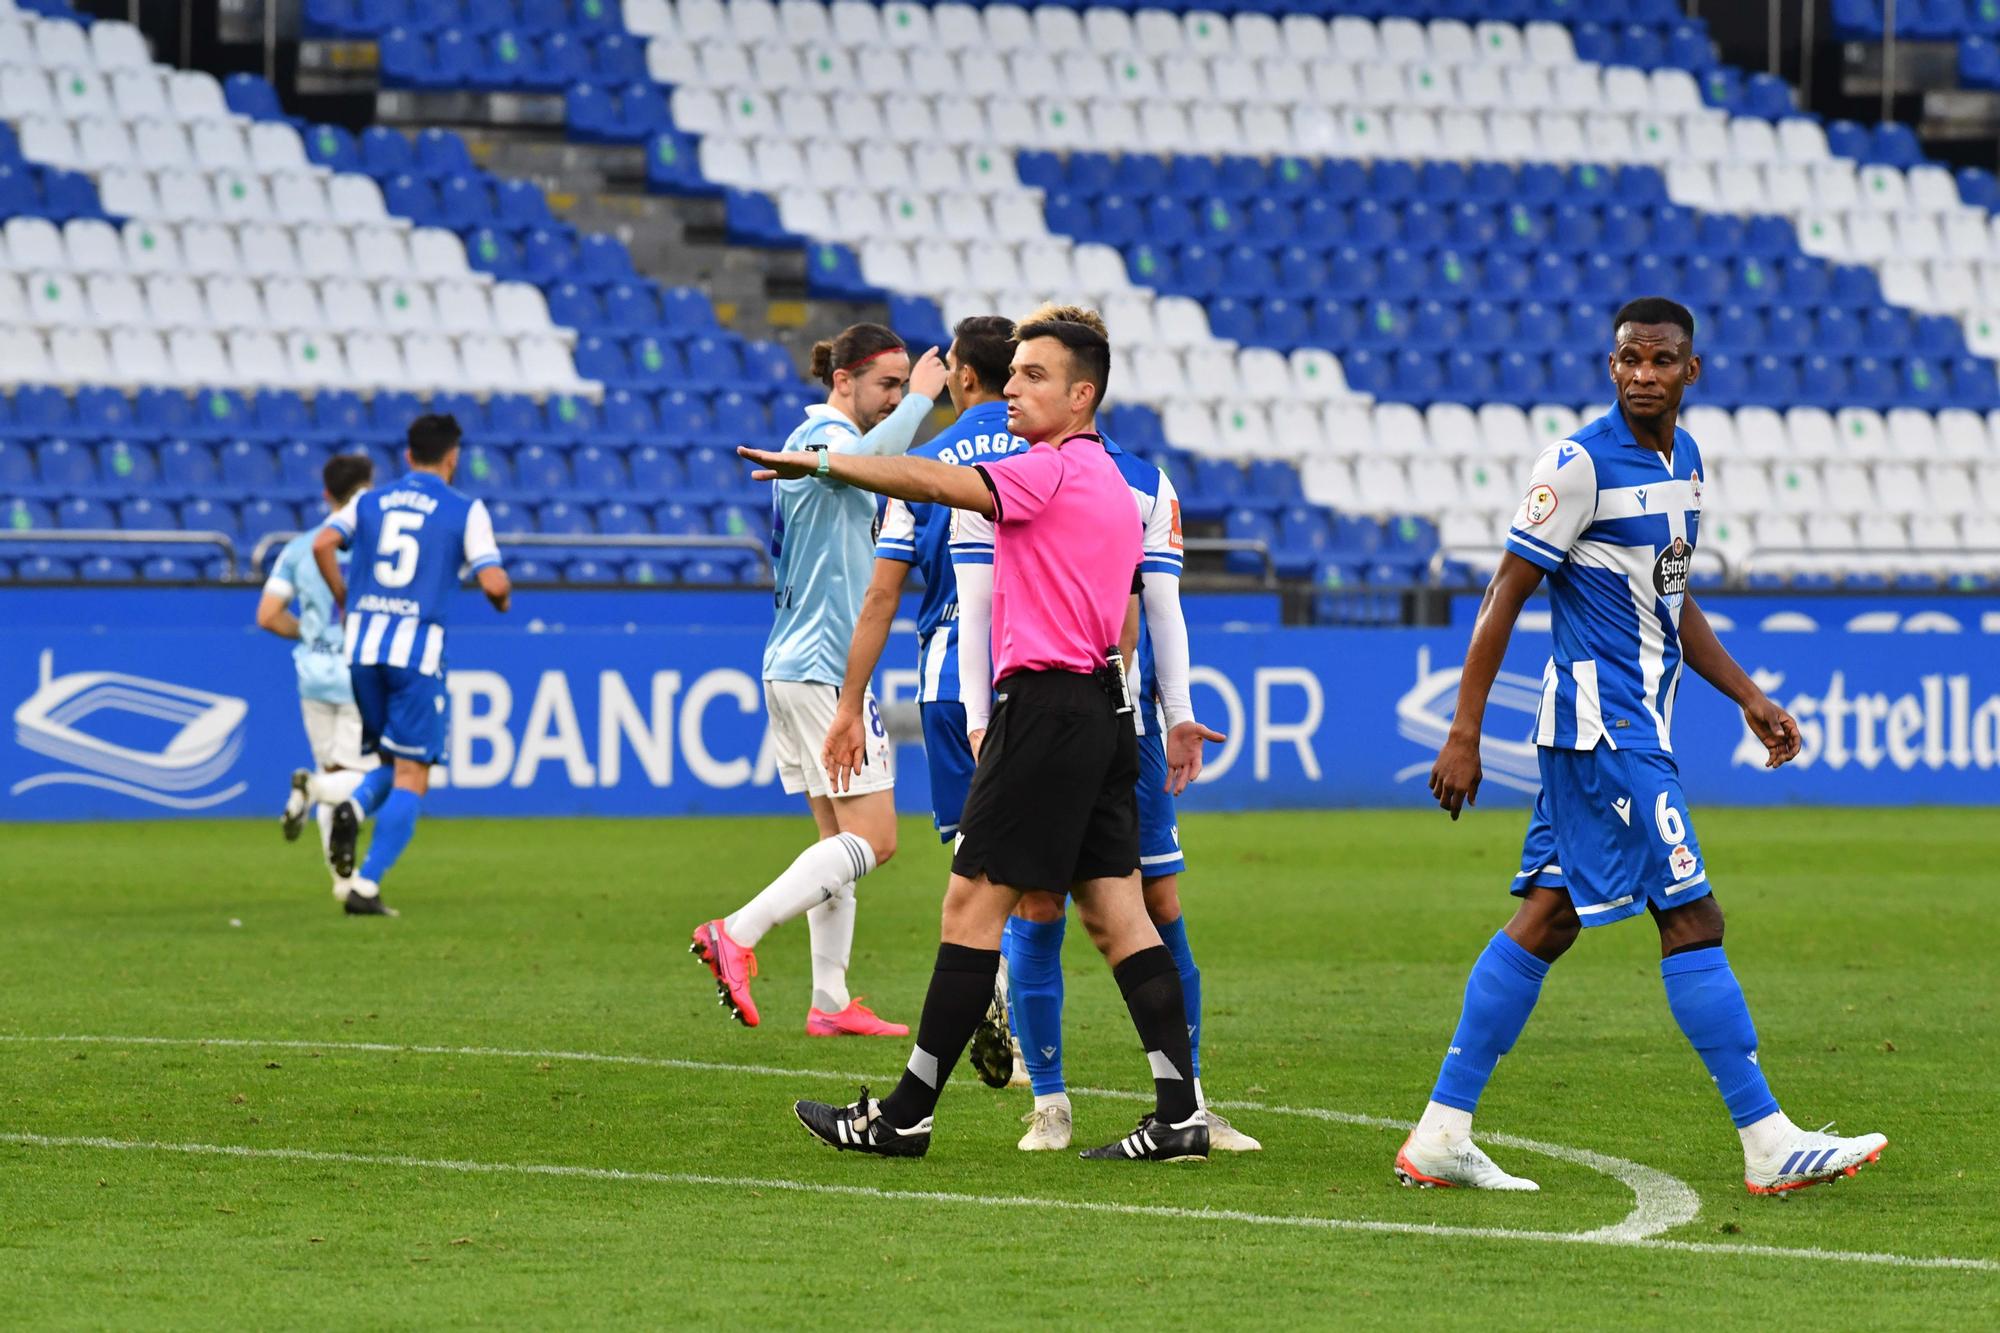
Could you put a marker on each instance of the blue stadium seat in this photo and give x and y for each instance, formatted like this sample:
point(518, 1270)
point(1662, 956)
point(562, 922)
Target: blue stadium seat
point(443, 153)
point(123, 465)
point(620, 519)
point(564, 59)
point(248, 466)
point(673, 166)
point(590, 570)
point(656, 362)
point(550, 253)
point(1845, 138)
point(598, 469)
point(1979, 63)
point(521, 204)
point(249, 95)
point(484, 470)
point(205, 515)
point(540, 471)
point(261, 518)
point(563, 519)
point(1722, 88)
point(85, 512)
point(1894, 144)
point(45, 569)
point(1245, 524)
point(63, 463)
point(677, 518)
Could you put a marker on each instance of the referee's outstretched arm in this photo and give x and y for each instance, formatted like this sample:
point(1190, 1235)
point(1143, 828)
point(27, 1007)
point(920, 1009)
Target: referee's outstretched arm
point(920, 479)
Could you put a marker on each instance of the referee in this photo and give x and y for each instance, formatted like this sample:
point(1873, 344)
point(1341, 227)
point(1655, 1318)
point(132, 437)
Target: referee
point(1052, 805)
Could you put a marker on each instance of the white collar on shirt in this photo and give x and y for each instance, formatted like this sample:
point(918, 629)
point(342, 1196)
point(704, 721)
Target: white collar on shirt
point(827, 411)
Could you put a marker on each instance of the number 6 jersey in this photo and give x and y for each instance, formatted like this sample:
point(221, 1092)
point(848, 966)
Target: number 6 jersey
point(409, 540)
point(1614, 526)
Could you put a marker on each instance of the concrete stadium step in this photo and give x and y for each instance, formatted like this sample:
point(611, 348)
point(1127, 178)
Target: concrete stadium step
point(679, 241)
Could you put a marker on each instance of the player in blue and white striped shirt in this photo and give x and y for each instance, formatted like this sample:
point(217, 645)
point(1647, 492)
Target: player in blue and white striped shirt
point(1611, 518)
point(409, 539)
point(326, 697)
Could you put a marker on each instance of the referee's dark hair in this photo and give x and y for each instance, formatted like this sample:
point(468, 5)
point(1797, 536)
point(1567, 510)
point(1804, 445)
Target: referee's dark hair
point(855, 347)
point(985, 343)
point(432, 436)
point(1654, 310)
point(344, 474)
point(1084, 336)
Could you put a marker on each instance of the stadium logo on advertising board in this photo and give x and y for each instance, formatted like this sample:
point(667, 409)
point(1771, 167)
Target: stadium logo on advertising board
point(153, 740)
point(1424, 715)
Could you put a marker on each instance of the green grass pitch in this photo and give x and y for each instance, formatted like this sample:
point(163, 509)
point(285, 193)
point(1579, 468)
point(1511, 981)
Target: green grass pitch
point(388, 1081)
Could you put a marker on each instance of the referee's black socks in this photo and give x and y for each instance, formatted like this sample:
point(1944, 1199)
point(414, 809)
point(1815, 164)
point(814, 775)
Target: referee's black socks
point(961, 989)
point(1151, 983)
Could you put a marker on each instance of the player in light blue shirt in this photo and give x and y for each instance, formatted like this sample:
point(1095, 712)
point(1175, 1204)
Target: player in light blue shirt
point(410, 539)
point(1612, 518)
point(319, 656)
point(919, 535)
point(822, 548)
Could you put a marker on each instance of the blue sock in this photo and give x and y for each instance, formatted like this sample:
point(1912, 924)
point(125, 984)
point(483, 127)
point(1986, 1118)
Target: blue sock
point(394, 827)
point(1035, 984)
point(1709, 1006)
point(1174, 936)
point(1499, 996)
point(374, 789)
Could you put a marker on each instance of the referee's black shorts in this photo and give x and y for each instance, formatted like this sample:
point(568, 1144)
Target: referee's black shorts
point(1055, 797)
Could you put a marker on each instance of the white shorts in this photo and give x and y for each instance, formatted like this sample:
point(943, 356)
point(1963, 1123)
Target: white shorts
point(334, 731)
point(801, 712)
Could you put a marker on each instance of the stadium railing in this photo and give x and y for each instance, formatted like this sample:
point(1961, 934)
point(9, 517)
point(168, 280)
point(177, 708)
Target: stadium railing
point(569, 542)
point(128, 538)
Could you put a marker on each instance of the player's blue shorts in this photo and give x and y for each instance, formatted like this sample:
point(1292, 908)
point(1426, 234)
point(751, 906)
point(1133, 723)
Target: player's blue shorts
point(1611, 829)
point(402, 713)
point(1159, 832)
point(949, 756)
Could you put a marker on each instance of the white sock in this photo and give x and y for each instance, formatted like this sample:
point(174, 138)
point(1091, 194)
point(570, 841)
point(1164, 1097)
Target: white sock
point(335, 787)
point(324, 814)
point(365, 888)
point(1047, 1099)
point(1445, 1122)
point(809, 881)
point(832, 927)
point(1763, 1138)
point(1200, 1101)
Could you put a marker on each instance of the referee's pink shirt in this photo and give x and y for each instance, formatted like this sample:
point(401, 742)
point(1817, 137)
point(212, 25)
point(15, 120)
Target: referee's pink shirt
point(1066, 550)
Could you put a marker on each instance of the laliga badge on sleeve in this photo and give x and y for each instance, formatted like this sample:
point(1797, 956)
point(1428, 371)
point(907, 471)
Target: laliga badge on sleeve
point(1541, 504)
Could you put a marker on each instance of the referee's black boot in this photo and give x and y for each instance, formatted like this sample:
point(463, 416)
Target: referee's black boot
point(861, 1128)
point(341, 837)
point(1156, 1141)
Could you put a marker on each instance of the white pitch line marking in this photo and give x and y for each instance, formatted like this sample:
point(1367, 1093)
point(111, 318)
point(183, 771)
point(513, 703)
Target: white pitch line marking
point(1660, 1201)
point(976, 1200)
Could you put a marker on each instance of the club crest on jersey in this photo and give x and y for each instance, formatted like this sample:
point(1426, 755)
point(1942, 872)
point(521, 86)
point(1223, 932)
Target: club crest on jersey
point(1682, 860)
point(1670, 571)
point(1694, 484)
point(1541, 504)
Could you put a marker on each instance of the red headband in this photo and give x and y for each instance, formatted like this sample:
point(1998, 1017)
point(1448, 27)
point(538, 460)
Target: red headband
point(853, 366)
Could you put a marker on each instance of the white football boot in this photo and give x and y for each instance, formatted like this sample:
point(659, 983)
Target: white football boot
point(1048, 1128)
point(1809, 1157)
point(1435, 1162)
point(1225, 1137)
